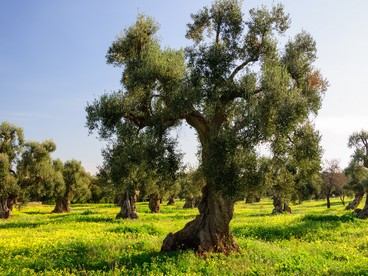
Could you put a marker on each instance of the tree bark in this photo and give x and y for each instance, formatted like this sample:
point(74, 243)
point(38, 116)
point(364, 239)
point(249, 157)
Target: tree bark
point(6, 206)
point(363, 214)
point(154, 203)
point(189, 203)
point(358, 198)
point(128, 207)
point(277, 204)
point(171, 200)
point(209, 231)
point(328, 201)
point(62, 206)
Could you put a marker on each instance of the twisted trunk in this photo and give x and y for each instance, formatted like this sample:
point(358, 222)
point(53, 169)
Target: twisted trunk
point(128, 208)
point(6, 206)
point(154, 203)
point(363, 214)
point(62, 205)
point(356, 201)
point(277, 204)
point(209, 231)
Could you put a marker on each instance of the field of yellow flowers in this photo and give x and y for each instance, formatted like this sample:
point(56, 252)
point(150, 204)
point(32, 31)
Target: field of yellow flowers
point(89, 241)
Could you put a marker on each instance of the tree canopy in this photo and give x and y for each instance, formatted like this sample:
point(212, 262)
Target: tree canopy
point(235, 86)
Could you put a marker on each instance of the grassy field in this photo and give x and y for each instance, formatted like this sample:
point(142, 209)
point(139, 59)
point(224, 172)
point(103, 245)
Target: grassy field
point(89, 241)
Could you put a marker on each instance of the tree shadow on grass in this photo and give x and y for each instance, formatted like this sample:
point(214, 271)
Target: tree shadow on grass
point(324, 204)
point(22, 224)
point(76, 256)
point(310, 227)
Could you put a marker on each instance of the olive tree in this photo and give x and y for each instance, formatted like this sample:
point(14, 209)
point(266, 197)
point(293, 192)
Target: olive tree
point(332, 179)
point(295, 164)
point(37, 175)
point(191, 182)
point(140, 161)
point(235, 86)
point(359, 142)
point(11, 144)
point(75, 184)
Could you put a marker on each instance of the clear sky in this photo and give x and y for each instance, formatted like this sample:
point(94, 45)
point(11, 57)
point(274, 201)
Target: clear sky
point(52, 62)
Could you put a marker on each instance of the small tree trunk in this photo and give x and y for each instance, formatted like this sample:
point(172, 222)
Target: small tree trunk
point(328, 201)
point(342, 199)
point(209, 231)
point(189, 203)
point(154, 203)
point(62, 206)
point(6, 206)
point(363, 214)
point(277, 204)
point(171, 200)
point(128, 208)
point(358, 198)
point(249, 199)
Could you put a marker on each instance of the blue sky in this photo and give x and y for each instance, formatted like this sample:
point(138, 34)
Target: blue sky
point(52, 62)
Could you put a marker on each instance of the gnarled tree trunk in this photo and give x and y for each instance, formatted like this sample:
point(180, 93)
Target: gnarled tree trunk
point(128, 208)
point(171, 200)
point(62, 206)
point(154, 203)
point(363, 214)
point(356, 201)
point(189, 203)
point(277, 204)
point(209, 231)
point(6, 206)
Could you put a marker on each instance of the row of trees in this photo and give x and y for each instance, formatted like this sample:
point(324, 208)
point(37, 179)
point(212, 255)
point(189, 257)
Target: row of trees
point(238, 89)
point(27, 172)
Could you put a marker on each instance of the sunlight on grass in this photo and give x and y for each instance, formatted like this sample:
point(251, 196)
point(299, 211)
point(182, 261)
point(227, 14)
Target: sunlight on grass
point(90, 241)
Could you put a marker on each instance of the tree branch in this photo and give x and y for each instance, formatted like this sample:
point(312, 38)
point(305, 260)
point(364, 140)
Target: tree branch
point(199, 122)
point(241, 66)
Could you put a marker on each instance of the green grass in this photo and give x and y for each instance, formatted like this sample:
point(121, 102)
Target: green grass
point(89, 241)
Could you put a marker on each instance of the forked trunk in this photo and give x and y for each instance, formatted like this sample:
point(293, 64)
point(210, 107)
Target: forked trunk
point(154, 203)
point(128, 208)
point(209, 231)
point(356, 201)
point(363, 214)
point(62, 206)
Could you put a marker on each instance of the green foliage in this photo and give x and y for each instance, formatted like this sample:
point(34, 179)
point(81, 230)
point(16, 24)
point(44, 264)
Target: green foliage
point(357, 174)
point(77, 182)
point(311, 241)
point(140, 160)
point(36, 172)
point(11, 141)
point(359, 142)
point(235, 86)
point(11, 144)
point(8, 182)
point(191, 183)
